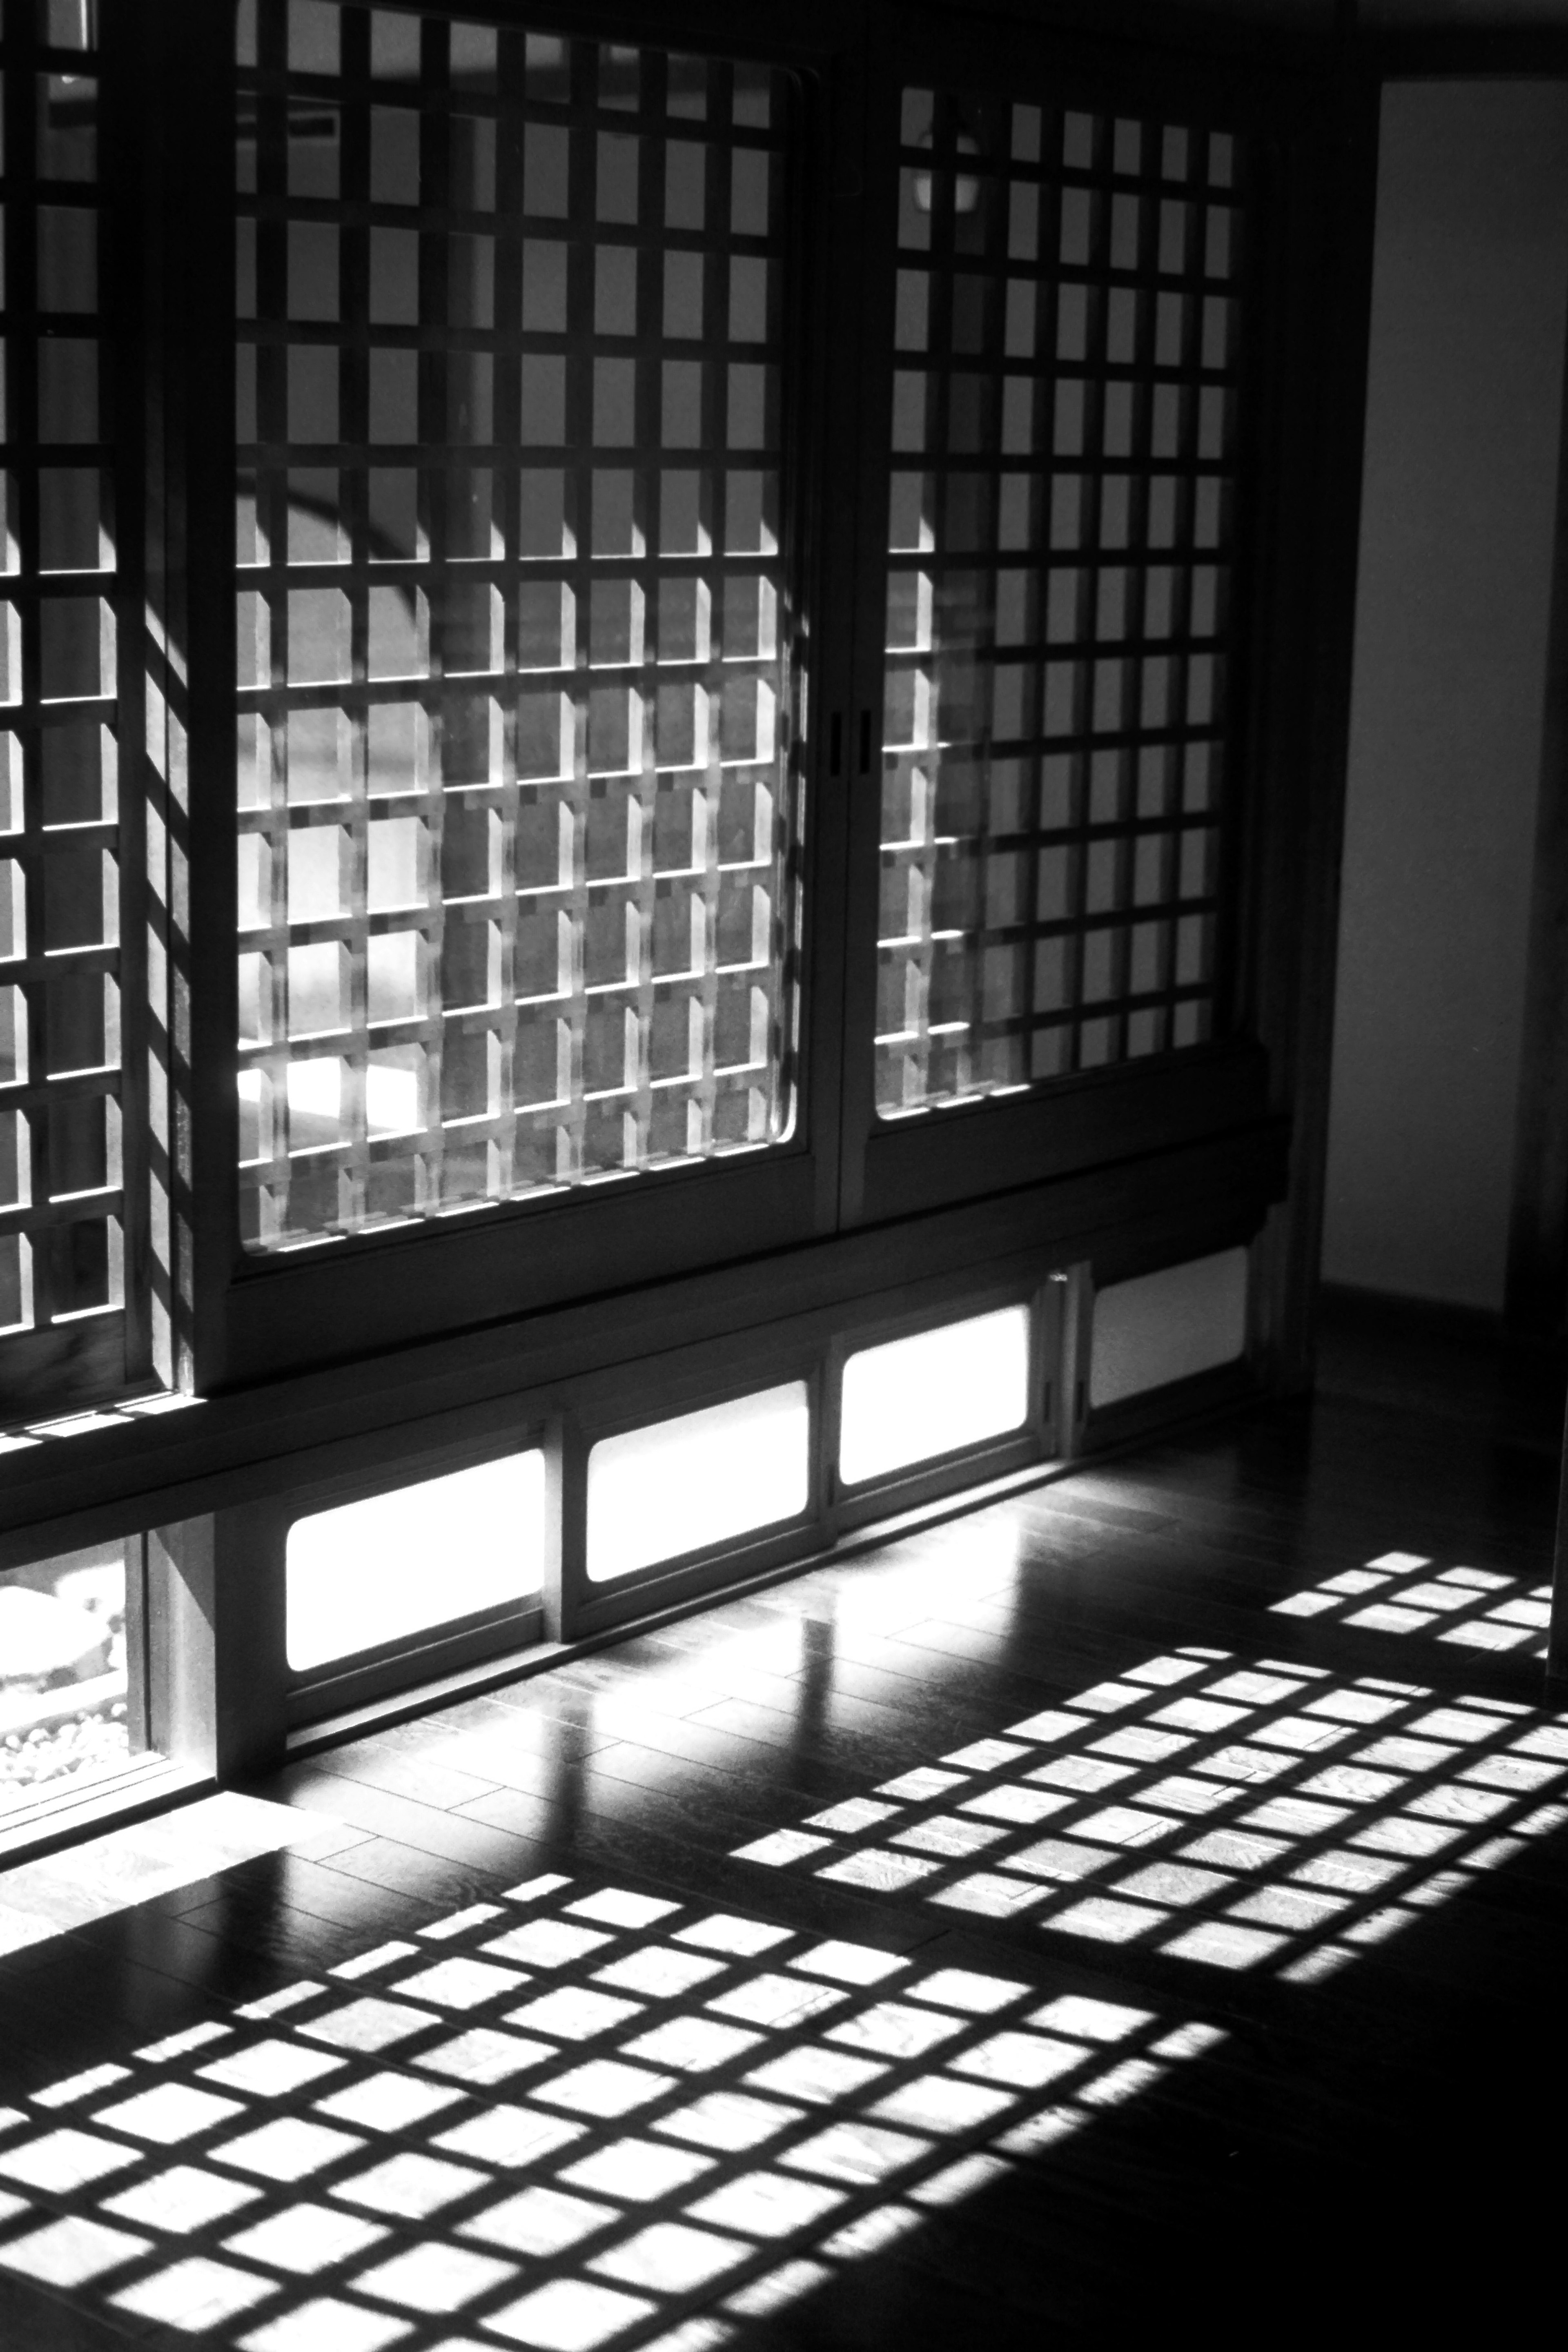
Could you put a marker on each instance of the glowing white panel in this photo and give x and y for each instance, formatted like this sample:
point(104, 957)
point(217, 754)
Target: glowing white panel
point(1166, 1326)
point(655, 1493)
point(912, 1398)
point(399, 1564)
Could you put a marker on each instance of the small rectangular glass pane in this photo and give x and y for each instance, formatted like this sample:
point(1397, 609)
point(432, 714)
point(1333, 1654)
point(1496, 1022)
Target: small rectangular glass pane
point(701, 1478)
point(1066, 434)
point(64, 1688)
point(1168, 1326)
point(912, 1399)
point(510, 567)
point(421, 1557)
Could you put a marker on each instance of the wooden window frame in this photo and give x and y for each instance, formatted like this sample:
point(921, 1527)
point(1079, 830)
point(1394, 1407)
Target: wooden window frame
point(252, 1319)
point(338, 1357)
point(1233, 1083)
point(109, 1349)
point(842, 1168)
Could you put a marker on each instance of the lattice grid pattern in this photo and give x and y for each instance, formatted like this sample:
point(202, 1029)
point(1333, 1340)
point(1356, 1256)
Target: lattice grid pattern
point(1244, 1814)
point(563, 2119)
point(61, 1202)
point(1061, 534)
point(1404, 1593)
point(515, 811)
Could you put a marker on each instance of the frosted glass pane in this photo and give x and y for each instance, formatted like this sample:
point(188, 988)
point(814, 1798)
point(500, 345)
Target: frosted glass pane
point(1167, 1325)
point(912, 1398)
point(653, 1493)
point(398, 1564)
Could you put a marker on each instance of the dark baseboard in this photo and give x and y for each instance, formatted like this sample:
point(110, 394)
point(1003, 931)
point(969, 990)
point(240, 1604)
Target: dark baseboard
point(1459, 1363)
point(1350, 1308)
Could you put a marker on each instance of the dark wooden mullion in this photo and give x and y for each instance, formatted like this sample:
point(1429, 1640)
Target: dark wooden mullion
point(269, 206)
point(23, 352)
point(120, 320)
point(1042, 367)
point(354, 212)
point(434, 424)
point(575, 458)
point(63, 1219)
point(646, 399)
point(145, 490)
point(718, 243)
point(354, 430)
point(1180, 564)
point(1137, 589)
point(495, 1021)
point(987, 263)
point(932, 359)
point(271, 44)
point(995, 212)
point(268, 343)
point(1074, 745)
point(505, 518)
point(939, 471)
point(1185, 473)
point(269, 582)
point(782, 353)
point(1081, 742)
point(1256, 217)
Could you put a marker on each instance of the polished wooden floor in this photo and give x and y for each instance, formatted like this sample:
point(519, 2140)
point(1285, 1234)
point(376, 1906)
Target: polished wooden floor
point(1293, 2110)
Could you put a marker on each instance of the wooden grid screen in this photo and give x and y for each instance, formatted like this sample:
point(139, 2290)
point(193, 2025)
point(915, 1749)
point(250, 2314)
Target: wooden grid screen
point(61, 1202)
point(515, 833)
point(1064, 439)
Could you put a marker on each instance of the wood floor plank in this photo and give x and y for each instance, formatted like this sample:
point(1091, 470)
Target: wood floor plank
point(1362, 2152)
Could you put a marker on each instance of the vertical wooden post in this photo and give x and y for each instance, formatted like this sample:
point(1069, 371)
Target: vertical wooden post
point(1536, 1296)
point(1557, 1638)
point(1076, 1360)
point(566, 1562)
point(215, 1656)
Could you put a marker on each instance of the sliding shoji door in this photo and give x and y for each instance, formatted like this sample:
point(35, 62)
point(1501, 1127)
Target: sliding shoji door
point(728, 606)
point(1068, 362)
point(523, 443)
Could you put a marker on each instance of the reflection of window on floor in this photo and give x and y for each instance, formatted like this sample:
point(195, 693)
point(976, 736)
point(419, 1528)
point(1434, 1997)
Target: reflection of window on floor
point(1060, 555)
point(1402, 1592)
point(515, 830)
point(1242, 1814)
point(68, 1714)
point(574, 2118)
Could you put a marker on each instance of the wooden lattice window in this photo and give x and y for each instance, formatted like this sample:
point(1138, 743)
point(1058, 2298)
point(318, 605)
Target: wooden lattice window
point(62, 1201)
point(516, 841)
point(1061, 548)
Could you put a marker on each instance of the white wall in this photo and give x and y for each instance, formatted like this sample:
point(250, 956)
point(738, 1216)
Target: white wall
point(1469, 298)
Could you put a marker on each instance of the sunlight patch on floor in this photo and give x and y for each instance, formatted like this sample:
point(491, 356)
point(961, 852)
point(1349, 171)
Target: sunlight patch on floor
point(1241, 1814)
point(572, 2117)
point(103, 1876)
point(1402, 1592)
